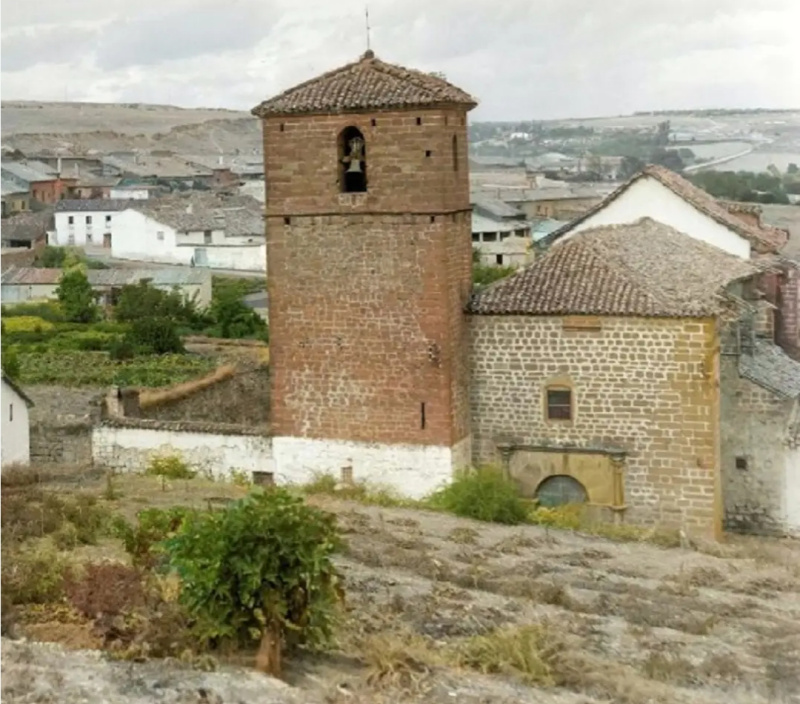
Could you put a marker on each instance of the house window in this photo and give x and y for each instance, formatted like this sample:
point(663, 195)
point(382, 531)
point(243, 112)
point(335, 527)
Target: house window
point(419, 120)
point(352, 150)
point(108, 219)
point(428, 152)
point(476, 236)
point(88, 219)
point(741, 463)
point(207, 237)
point(559, 404)
point(11, 412)
point(490, 237)
point(71, 239)
point(89, 237)
point(498, 259)
point(160, 235)
point(71, 220)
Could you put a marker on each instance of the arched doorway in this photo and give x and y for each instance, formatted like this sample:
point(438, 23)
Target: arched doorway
point(559, 490)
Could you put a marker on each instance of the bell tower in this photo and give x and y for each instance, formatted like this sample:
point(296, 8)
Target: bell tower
point(369, 270)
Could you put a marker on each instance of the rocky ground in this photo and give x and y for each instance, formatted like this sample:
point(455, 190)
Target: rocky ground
point(441, 609)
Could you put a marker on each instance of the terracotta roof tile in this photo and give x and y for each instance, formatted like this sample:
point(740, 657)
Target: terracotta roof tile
point(643, 269)
point(366, 84)
point(762, 238)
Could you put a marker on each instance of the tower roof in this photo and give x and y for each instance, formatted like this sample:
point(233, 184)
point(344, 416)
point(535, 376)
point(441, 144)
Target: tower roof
point(366, 84)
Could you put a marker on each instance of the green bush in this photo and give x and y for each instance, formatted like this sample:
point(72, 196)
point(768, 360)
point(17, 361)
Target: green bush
point(260, 570)
point(170, 467)
point(10, 361)
point(155, 336)
point(484, 494)
point(34, 575)
point(49, 311)
point(143, 541)
point(76, 296)
point(122, 349)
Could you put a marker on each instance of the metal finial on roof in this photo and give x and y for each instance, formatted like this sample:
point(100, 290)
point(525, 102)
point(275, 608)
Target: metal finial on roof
point(368, 54)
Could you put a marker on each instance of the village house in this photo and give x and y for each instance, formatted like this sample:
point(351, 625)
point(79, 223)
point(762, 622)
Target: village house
point(91, 223)
point(16, 199)
point(93, 187)
point(596, 375)
point(500, 233)
point(27, 230)
point(44, 185)
point(661, 194)
point(16, 430)
point(22, 284)
point(156, 167)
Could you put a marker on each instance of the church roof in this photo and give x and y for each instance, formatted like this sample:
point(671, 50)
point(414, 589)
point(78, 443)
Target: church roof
point(644, 269)
point(366, 84)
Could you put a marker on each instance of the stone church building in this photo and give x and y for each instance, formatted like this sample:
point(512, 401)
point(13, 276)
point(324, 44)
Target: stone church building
point(592, 375)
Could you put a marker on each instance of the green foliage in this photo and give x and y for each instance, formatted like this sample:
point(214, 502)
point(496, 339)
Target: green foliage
point(363, 492)
point(10, 362)
point(483, 275)
point(70, 368)
point(51, 258)
point(240, 284)
point(170, 467)
point(143, 301)
point(122, 349)
point(231, 317)
point(261, 566)
point(143, 542)
point(154, 336)
point(49, 311)
point(484, 494)
point(32, 576)
point(742, 186)
point(76, 297)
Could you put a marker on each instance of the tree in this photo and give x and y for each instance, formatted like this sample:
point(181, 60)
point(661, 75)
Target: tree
point(10, 362)
point(792, 168)
point(143, 300)
point(260, 570)
point(630, 166)
point(77, 297)
point(232, 317)
point(152, 336)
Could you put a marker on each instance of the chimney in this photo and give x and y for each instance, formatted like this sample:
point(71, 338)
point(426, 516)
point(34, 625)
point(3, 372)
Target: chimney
point(58, 167)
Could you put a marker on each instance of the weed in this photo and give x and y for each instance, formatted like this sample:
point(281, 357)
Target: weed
point(105, 588)
point(170, 467)
point(667, 667)
point(567, 517)
point(362, 492)
point(395, 661)
point(33, 576)
point(529, 652)
point(463, 535)
point(241, 477)
point(484, 494)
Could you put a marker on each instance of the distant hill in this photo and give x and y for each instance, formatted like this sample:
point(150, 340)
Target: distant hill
point(82, 127)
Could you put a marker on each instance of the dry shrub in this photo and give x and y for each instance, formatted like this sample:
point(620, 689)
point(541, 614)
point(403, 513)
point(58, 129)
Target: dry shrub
point(34, 575)
point(398, 661)
point(668, 667)
point(108, 588)
point(463, 535)
point(721, 667)
point(528, 652)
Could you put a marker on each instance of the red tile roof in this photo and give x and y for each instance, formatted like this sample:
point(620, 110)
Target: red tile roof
point(763, 238)
point(644, 269)
point(366, 84)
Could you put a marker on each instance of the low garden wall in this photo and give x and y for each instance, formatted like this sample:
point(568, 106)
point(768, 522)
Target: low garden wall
point(128, 444)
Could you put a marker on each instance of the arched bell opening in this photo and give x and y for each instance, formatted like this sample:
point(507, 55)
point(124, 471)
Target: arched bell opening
point(352, 161)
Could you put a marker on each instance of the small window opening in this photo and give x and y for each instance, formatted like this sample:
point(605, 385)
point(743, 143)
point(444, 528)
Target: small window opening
point(282, 127)
point(11, 412)
point(741, 463)
point(71, 220)
point(287, 221)
point(433, 218)
point(263, 478)
point(419, 120)
point(490, 237)
point(445, 120)
point(498, 259)
point(428, 152)
point(352, 160)
point(455, 153)
point(88, 219)
point(422, 415)
point(373, 122)
point(559, 404)
point(207, 237)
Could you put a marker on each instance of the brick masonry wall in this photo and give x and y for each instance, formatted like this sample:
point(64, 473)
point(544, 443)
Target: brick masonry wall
point(788, 333)
point(367, 290)
point(301, 162)
point(243, 399)
point(754, 423)
point(645, 385)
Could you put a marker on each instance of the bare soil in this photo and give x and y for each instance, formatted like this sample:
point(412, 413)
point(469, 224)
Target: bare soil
point(630, 623)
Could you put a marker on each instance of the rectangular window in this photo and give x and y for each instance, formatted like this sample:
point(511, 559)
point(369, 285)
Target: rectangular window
point(71, 239)
point(11, 412)
point(490, 237)
point(71, 220)
point(108, 219)
point(422, 415)
point(88, 219)
point(89, 237)
point(476, 236)
point(160, 236)
point(207, 237)
point(559, 404)
point(499, 259)
point(741, 463)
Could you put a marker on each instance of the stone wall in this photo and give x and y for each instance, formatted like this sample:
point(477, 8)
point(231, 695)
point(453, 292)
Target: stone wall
point(754, 454)
point(645, 386)
point(242, 399)
point(68, 443)
point(127, 445)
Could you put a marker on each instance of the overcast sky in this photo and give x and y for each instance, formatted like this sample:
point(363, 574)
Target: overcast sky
point(521, 58)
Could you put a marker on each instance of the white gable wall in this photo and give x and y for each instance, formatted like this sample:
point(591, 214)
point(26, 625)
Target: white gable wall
point(16, 436)
point(140, 238)
point(649, 198)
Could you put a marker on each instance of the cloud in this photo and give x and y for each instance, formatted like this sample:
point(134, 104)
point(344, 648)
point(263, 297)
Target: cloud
point(523, 60)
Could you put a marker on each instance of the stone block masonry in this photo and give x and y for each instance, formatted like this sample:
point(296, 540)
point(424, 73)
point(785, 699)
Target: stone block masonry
point(66, 443)
point(647, 386)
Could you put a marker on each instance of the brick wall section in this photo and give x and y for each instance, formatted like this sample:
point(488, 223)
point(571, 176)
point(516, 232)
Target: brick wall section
point(753, 426)
point(243, 399)
point(367, 289)
point(788, 332)
point(647, 385)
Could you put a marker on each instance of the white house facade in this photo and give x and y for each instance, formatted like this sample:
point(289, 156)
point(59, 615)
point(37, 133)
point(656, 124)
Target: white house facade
point(86, 223)
point(16, 435)
point(129, 192)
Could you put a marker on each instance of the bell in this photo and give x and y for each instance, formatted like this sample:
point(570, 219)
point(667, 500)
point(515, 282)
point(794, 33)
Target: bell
point(354, 167)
